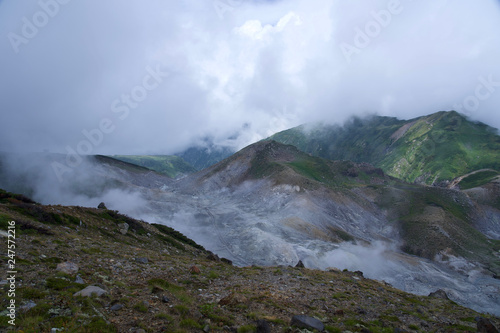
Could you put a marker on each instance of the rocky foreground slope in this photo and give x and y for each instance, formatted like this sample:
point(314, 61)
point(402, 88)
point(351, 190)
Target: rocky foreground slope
point(153, 279)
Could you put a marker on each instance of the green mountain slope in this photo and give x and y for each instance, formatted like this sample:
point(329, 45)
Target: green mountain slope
point(171, 166)
point(204, 157)
point(429, 149)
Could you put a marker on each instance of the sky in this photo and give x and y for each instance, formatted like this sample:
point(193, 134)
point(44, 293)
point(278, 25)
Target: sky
point(155, 76)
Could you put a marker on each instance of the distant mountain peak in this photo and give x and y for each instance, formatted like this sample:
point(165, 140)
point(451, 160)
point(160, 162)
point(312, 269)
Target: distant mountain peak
point(431, 149)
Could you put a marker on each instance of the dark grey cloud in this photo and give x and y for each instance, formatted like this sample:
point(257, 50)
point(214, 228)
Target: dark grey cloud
point(226, 67)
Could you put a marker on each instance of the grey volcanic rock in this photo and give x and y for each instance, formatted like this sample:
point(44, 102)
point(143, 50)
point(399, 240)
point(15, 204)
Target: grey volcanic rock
point(91, 290)
point(439, 294)
point(307, 322)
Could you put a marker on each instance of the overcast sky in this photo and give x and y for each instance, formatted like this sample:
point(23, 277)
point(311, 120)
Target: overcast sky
point(153, 76)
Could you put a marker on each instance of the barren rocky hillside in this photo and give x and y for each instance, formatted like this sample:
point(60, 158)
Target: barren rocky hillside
point(143, 277)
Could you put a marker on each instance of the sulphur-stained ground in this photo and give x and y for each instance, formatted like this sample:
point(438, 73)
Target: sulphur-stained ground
point(156, 280)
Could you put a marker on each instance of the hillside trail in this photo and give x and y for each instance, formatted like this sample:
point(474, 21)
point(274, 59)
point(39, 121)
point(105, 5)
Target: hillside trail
point(456, 181)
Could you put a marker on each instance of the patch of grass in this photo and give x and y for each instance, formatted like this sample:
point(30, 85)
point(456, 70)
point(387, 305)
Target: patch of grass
point(141, 307)
point(164, 316)
point(63, 284)
point(332, 329)
point(181, 310)
point(91, 250)
point(477, 179)
point(177, 236)
point(247, 329)
point(99, 325)
point(169, 240)
point(31, 293)
point(190, 323)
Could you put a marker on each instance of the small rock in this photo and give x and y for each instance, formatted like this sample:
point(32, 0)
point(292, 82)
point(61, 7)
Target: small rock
point(300, 264)
point(140, 330)
point(439, 294)
point(194, 270)
point(79, 279)
point(123, 228)
point(263, 327)
point(206, 329)
point(27, 306)
point(307, 322)
point(484, 325)
point(116, 307)
point(359, 273)
point(55, 330)
point(142, 260)
point(361, 311)
point(67, 267)
point(399, 330)
point(165, 299)
point(226, 261)
point(102, 205)
point(339, 312)
point(213, 257)
point(89, 291)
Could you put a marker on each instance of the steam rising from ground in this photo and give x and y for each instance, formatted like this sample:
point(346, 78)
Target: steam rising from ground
point(246, 226)
point(84, 185)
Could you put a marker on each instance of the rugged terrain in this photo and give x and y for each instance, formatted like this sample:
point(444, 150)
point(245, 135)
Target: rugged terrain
point(271, 204)
point(157, 280)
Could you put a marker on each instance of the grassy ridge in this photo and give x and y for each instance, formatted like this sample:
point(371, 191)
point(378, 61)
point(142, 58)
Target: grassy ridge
point(429, 149)
point(171, 166)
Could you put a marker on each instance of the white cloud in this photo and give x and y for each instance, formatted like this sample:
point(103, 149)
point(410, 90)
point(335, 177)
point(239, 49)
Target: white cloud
point(261, 68)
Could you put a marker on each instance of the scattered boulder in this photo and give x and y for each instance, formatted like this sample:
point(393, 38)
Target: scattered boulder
point(123, 228)
point(142, 260)
point(213, 257)
point(165, 299)
point(226, 261)
point(263, 327)
point(79, 279)
point(27, 306)
point(359, 273)
point(67, 267)
point(300, 264)
point(116, 307)
point(102, 205)
point(89, 291)
point(307, 322)
point(484, 325)
point(440, 293)
point(194, 270)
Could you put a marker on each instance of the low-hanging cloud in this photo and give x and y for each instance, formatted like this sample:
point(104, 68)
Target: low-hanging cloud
point(245, 72)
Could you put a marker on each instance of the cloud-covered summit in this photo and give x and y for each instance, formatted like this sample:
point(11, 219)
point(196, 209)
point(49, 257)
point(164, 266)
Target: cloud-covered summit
point(240, 69)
